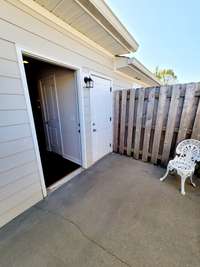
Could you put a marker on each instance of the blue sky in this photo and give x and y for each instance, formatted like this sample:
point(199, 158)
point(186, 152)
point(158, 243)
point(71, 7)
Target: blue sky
point(168, 33)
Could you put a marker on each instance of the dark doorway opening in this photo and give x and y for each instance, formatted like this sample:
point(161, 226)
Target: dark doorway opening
point(54, 165)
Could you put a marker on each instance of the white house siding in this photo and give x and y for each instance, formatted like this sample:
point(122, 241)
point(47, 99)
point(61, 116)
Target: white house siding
point(120, 83)
point(20, 185)
point(19, 180)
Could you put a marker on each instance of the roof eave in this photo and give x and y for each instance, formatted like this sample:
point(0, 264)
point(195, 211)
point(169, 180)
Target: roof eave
point(138, 65)
point(103, 7)
point(136, 70)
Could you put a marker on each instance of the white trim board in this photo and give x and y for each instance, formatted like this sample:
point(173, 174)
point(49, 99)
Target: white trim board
point(32, 124)
point(64, 180)
point(71, 158)
point(20, 51)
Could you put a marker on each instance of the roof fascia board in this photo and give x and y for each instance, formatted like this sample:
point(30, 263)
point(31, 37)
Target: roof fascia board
point(110, 15)
point(143, 69)
point(149, 79)
point(134, 64)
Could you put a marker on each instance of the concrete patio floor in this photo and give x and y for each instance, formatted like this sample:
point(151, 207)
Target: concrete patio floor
point(116, 213)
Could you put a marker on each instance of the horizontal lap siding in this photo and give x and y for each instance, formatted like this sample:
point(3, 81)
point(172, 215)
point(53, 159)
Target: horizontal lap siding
point(31, 197)
point(17, 186)
point(7, 51)
point(12, 102)
point(14, 132)
point(10, 86)
point(19, 178)
point(15, 146)
point(13, 117)
point(17, 173)
point(9, 68)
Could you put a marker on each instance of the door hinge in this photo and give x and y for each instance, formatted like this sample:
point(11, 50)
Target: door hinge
point(110, 119)
point(110, 145)
point(111, 89)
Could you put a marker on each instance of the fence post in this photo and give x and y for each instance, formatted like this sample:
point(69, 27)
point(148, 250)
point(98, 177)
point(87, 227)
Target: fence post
point(122, 121)
point(116, 121)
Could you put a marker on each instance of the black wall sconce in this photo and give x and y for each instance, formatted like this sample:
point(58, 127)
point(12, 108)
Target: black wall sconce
point(89, 83)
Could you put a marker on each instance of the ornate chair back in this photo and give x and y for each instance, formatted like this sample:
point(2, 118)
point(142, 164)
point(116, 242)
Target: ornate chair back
point(189, 150)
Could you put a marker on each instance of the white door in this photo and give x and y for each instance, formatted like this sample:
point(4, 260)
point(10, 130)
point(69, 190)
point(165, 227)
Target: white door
point(101, 115)
point(69, 114)
point(49, 107)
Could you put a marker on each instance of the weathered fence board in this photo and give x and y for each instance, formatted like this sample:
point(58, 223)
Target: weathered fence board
point(130, 122)
point(196, 127)
point(187, 110)
point(149, 122)
point(159, 122)
point(138, 123)
point(170, 123)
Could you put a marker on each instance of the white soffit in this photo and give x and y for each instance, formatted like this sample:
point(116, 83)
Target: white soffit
point(95, 20)
point(133, 68)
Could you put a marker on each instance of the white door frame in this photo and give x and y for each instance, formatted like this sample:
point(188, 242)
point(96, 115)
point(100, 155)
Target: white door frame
point(111, 83)
point(79, 85)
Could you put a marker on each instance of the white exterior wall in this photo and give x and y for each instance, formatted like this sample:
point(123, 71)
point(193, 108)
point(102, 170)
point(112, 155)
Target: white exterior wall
point(20, 182)
point(20, 185)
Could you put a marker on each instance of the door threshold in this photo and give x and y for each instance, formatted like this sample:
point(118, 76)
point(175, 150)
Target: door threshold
point(64, 180)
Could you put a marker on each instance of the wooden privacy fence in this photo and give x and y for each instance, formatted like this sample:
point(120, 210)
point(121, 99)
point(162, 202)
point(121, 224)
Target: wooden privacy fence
point(149, 122)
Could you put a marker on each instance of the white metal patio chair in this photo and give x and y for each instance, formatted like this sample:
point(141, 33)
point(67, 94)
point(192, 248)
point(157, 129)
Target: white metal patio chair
point(187, 155)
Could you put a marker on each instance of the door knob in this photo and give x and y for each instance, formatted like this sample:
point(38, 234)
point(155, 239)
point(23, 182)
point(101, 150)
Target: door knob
point(94, 130)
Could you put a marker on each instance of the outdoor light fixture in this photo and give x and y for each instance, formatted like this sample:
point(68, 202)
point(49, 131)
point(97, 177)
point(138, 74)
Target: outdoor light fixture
point(89, 83)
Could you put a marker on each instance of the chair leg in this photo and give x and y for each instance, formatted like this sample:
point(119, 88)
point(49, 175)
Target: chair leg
point(183, 178)
point(165, 176)
point(191, 180)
